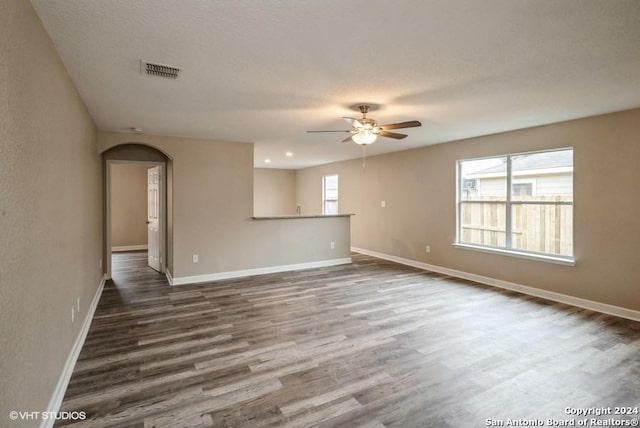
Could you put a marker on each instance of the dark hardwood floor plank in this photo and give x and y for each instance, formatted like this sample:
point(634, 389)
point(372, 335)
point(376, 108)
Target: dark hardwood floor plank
point(372, 344)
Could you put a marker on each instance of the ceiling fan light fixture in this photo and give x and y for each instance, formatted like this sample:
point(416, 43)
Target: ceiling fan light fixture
point(364, 137)
point(366, 130)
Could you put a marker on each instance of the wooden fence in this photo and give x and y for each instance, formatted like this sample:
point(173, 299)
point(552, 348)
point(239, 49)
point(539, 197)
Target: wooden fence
point(544, 228)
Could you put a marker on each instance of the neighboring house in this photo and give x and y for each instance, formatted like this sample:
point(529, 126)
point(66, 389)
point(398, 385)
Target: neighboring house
point(553, 179)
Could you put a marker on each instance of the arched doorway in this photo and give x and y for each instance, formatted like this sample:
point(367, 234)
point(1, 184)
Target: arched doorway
point(157, 166)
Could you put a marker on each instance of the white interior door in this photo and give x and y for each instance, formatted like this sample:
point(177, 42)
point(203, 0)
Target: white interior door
point(153, 217)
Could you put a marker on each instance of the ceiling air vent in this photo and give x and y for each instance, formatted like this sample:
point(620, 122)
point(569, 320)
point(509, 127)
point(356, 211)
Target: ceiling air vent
point(160, 70)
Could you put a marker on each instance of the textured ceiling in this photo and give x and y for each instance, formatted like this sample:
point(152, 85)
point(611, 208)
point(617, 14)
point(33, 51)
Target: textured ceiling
point(267, 71)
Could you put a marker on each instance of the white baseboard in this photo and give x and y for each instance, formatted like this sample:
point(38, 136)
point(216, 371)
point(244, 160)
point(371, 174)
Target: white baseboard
point(130, 248)
point(167, 273)
point(532, 291)
point(63, 381)
point(258, 271)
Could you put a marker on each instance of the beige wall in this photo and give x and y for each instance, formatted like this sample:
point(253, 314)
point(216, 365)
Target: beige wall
point(212, 211)
point(128, 204)
point(419, 189)
point(50, 213)
point(274, 191)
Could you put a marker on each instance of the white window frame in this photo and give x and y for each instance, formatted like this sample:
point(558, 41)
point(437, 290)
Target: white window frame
point(508, 249)
point(324, 196)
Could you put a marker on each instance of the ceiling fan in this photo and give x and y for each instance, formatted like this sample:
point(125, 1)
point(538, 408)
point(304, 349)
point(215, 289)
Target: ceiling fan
point(365, 131)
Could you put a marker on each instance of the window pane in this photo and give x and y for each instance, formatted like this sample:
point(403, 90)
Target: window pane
point(331, 181)
point(330, 194)
point(331, 207)
point(543, 228)
point(539, 202)
point(483, 179)
point(546, 176)
point(483, 223)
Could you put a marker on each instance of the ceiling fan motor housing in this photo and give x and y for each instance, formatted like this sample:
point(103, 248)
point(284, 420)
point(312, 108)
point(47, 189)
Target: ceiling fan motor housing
point(364, 109)
point(369, 123)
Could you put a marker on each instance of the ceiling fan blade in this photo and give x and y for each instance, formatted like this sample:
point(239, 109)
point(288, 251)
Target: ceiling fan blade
point(354, 122)
point(348, 139)
point(410, 124)
point(392, 135)
point(330, 131)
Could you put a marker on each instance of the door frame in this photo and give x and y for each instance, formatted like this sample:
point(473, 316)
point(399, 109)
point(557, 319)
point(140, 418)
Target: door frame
point(163, 212)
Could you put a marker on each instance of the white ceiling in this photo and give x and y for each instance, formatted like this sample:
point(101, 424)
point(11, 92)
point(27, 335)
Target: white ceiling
point(267, 71)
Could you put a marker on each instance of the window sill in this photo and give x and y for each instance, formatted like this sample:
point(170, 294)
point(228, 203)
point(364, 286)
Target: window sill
point(519, 254)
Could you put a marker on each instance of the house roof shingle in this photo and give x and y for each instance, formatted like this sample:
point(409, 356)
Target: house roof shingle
point(535, 161)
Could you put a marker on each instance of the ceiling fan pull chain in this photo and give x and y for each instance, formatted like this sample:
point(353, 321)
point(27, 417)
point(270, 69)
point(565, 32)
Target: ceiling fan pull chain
point(364, 155)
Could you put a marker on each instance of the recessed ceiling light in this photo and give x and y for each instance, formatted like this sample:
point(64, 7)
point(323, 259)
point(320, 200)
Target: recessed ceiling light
point(267, 161)
point(289, 154)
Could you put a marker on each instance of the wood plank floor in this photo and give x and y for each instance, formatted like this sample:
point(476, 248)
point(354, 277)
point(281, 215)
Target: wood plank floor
point(372, 344)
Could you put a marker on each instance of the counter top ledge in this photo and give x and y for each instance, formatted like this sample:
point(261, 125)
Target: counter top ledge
point(280, 217)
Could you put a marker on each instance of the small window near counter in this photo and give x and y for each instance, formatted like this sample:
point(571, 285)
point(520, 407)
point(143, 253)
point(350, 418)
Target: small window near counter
point(330, 194)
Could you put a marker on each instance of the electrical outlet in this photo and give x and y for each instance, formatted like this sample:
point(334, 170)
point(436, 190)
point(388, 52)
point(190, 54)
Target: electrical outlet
point(73, 314)
point(383, 204)
point(195, 258)
point(428, 248)
point(333, 245)
point(78, 305)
